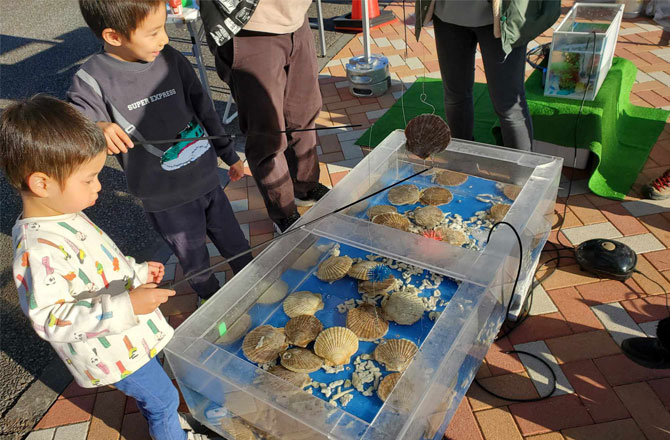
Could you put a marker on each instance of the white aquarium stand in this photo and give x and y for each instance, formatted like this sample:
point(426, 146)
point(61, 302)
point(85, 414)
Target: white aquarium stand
point(454, 347)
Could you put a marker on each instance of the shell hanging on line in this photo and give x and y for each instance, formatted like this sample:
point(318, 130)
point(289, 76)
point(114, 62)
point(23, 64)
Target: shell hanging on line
point(427, 135)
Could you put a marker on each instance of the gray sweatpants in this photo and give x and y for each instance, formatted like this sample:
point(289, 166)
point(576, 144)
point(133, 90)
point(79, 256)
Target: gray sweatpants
point(456, 47)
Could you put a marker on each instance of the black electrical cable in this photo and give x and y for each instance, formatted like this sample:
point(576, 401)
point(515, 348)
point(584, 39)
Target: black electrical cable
point(171, 285)
point(667, 305)
point(509, 305)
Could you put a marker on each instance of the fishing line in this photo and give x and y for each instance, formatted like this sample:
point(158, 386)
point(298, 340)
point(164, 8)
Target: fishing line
point(233, 136)
point(171, 285)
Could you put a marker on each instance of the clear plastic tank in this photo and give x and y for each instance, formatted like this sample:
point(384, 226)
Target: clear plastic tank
point(470, 285)
point(574, 58)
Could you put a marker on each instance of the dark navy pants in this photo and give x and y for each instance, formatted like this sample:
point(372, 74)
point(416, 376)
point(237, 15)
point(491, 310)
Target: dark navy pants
point(185, 228)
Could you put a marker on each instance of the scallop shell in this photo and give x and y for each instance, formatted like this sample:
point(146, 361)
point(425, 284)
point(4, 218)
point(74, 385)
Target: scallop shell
point(387, 384)
point(452, 236)
point(275, 293)
point(377, 287)
point(499, 211)
point(403, 308)
point(263, 344)
point(336, 345)
point(302, 303)
point(303, 329)
point(300, 360)
point(298, 381)
point(450, 178)
point(361, 271)
point(236, 429)
point(307, 260)
point(392, 220)
point(403, 395)
point(380, 209)
point(368, 322)
point(436, 195)
point(235, 331)
point(395, 354)
point(427, 135)
point(404, 195)
point(334, 268)
point(511, 191)
point(428, 216)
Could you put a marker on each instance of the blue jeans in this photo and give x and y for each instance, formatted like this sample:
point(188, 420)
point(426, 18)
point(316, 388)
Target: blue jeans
point(157, 399)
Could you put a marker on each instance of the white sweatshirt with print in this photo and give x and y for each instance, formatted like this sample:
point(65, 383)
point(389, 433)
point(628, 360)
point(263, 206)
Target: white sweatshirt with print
point(73, 285)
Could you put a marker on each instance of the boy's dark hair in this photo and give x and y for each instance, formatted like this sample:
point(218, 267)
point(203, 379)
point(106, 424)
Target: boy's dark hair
point(48, 135)
point(121, 15)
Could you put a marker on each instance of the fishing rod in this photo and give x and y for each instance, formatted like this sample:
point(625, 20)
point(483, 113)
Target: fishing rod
point(233, 136)
point(170, 285)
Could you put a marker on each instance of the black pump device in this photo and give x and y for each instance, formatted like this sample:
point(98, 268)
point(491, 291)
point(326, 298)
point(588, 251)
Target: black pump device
point(606, 258)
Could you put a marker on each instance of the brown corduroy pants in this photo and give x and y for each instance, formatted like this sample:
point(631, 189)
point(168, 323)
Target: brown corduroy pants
point(274, 80)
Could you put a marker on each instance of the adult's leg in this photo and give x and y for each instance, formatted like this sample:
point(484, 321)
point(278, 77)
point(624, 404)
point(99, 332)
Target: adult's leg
point(184, 228)
point(456, 48)
point(254, 66)
point(506, 82)
point(225, 231)
point(302, 104)
point(157, 400)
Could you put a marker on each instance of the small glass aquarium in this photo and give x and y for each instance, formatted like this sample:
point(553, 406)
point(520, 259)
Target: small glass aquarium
point(582, 49)
point(372, 322)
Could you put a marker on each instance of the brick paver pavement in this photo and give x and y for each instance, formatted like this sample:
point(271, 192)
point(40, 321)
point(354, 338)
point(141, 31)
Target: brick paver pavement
point(578, 321)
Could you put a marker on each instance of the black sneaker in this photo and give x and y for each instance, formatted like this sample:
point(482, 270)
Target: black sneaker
point(648, 352)
point(658, 189)
point(286, 223)
point(313, 196)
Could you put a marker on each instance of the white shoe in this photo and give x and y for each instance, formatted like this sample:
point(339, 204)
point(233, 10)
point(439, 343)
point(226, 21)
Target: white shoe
point(190, 435)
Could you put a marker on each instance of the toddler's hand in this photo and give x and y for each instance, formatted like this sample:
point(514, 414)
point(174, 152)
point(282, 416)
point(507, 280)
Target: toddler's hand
point(156, 272)
point(117, 139)
point(146, 298)
point(236, 171)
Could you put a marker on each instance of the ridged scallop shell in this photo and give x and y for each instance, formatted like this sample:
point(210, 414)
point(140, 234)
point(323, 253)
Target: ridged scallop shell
point(403, 308)
point(367, 321)
point(361, 271)
point(450, 178)
point(436, 195)
point(395, 354)
point(428, 216)
point(237, 429)
point(452, 236)
point(377, 287)
point(387, 384)
point(403, 395)
point(307, 260)
point(392, 220)
point(300, 360)
point(404, 195)
point(334, 268)
point(499, 211)
point(302, 303)
point(336, 345)
point(263, 344)
point(427, 135)
point(275, 293)
point(380, 209)
point(511, 191)
point(297, 381)
point(302, 329)
point(235, 331)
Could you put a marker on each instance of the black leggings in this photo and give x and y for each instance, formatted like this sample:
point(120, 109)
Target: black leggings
point(456, 47)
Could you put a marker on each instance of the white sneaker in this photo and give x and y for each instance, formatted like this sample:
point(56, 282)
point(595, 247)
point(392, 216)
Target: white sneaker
point(190, 435)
